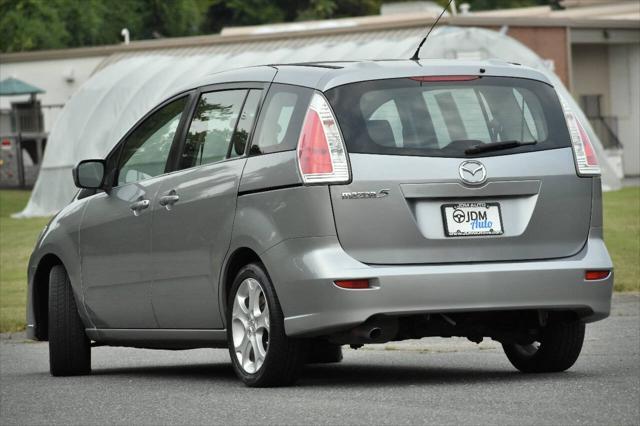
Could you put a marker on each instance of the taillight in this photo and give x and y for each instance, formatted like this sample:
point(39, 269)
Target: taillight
point(584, 153)
point(322, 157)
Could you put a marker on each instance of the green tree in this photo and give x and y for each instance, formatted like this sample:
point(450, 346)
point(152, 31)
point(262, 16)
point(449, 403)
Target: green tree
point(31, 25)
point(172, 18)
point(121, 14)
point(49, 24)
point(318, 9)
point(82, 20)
point(357, 7)
point(225, 13)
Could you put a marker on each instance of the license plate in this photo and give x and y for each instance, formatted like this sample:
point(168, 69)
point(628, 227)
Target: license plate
point(472, 219)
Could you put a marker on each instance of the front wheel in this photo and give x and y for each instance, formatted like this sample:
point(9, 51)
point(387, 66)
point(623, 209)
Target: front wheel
point(557, 349)
point(69, 347)
point(261, 353)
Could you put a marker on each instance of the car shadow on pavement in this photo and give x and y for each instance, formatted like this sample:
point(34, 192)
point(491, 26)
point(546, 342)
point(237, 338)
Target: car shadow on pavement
point(368, 375)
point(218, 371)
point(352, 375)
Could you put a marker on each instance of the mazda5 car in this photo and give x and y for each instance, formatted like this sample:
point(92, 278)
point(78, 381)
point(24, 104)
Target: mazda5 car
point(284, 211)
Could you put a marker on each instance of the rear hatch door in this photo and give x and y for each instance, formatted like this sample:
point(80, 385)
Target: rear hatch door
point(417, 195)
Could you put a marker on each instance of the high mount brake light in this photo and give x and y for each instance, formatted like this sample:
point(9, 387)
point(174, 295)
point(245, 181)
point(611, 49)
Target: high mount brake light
point(583, 150)
point(436, 78)
point(322, 157)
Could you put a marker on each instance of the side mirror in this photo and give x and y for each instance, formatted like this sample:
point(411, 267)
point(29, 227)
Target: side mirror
point(89, 174)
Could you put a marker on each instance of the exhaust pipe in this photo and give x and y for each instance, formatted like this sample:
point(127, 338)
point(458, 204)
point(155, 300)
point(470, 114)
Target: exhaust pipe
point(374, 330)
point(370, 332)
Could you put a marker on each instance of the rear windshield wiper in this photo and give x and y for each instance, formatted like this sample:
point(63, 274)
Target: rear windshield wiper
point(496, 146)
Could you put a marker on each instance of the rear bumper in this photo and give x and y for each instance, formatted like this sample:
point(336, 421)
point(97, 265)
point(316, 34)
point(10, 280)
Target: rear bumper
point(303, 271)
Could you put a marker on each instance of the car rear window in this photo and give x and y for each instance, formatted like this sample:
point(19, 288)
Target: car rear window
point(407, 116)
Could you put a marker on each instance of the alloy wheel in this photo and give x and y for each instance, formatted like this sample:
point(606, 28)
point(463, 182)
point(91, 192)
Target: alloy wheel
point(250, 325)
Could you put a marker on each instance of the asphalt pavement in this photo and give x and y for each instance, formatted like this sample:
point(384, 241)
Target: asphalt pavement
point(435, 381)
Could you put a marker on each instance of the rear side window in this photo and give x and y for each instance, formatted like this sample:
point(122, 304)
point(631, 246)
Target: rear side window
point(211, 129)
point(444, 118)
point(281, 119)
point(245, 123)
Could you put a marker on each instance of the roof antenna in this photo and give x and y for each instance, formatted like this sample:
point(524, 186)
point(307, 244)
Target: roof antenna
point(415, 55)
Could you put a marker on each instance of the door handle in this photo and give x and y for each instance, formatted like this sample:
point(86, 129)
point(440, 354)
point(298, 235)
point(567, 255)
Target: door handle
point(138, 206)
point(169, 200)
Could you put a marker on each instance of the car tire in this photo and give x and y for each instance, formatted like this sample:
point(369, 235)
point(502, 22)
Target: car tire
point(323, 352)
point(558, 349)
point(253, 310)
point(69, 347)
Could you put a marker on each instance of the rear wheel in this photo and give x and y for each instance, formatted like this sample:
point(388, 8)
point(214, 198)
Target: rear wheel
point(261, 353)
point(69, 347)
point(556, 350)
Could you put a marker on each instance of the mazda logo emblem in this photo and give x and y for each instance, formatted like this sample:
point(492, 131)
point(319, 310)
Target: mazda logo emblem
point(472, 172)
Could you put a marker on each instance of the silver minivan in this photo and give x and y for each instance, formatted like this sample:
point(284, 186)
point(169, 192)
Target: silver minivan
point(284, 211)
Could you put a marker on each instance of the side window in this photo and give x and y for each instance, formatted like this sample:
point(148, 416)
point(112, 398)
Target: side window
point(211, 128)
point(281, 119)
point(146, 150)
point(245, 124)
